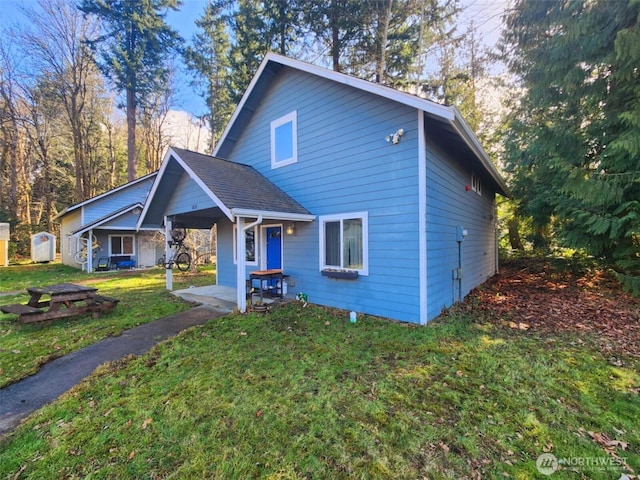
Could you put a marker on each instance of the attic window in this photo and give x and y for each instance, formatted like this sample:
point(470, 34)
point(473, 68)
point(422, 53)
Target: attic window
point(476, 186)
point(284, 140)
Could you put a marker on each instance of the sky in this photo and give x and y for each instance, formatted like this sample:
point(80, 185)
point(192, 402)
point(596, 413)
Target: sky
point(486, 15)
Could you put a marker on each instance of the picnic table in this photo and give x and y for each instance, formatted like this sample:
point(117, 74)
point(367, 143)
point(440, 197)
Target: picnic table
point(64, 300)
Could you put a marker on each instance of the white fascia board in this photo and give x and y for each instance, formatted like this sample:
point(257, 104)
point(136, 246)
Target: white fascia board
point(102, 195)
point(108, 219)
point(293, 217)
point(154, 187)
point(432, 108)
point(428, 106)
point(191, 174)
point(205, 188)
point(240, 106)
point(465, 132)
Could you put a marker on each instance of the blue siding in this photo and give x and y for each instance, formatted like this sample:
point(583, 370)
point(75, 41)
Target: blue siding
point(127, 221)
point(225, 268)
point(449, 206)
point(344, 165)
point(187, 196)
point(112, 202)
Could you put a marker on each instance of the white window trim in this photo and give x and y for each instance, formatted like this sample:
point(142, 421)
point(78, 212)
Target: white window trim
point(293, 118)
point(263, 244)
point(476, 185)
point(255, 246)
point(133, 245)
point(364, 216)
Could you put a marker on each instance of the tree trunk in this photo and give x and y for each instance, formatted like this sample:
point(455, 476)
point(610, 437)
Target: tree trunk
point(384, 17)
point(131, 135)
point(514, 234)
point(335, 36)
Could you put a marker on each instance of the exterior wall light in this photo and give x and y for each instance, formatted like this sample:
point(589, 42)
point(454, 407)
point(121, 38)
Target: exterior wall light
point(395, 137)
point(291, 229)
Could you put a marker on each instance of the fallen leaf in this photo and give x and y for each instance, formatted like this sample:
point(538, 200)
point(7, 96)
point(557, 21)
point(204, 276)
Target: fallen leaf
point(132, 454)
point(259, 413)
point(243, 334)
point(444, 447)
point(146, 423)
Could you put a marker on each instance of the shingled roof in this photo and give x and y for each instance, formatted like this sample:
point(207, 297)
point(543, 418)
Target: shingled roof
point(239, 186)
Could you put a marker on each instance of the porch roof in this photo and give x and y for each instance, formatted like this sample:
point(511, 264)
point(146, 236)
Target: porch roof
point(108, 218)
point(236, 190)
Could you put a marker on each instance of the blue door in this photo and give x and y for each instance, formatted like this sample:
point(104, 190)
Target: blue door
point(274, 248)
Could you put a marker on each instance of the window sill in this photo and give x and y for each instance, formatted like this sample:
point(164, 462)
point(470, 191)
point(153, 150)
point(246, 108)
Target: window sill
point(340, 274)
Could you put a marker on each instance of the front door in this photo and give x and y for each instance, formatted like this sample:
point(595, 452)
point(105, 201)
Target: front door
point(273, 247)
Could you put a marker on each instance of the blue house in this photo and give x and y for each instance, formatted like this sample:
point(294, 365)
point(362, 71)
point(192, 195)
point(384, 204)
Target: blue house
point(367, 198)
point(108, 221)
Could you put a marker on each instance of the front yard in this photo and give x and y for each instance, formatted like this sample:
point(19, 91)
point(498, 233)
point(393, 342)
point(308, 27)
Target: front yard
point(304, 393)
point(24, 347)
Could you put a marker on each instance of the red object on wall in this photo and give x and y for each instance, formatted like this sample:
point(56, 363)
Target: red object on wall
point(467, 188)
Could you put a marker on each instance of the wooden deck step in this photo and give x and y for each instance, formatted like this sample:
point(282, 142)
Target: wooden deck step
point(19, 309)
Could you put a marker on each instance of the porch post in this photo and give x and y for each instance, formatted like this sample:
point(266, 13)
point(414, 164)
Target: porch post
point(90, 252)
point(241, 256)
point(167, 254)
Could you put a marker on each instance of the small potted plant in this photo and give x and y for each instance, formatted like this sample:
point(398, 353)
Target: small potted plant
point(260, 307)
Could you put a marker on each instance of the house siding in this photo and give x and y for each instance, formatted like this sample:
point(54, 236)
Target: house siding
point(449, 206)
point(344, 165)
point(187, 196)
point(108, 204)
point(69, 223)
point(99, 208)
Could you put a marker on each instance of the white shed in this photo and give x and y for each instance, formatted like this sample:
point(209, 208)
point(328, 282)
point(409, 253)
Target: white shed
point(43, 247)
point(4, 244)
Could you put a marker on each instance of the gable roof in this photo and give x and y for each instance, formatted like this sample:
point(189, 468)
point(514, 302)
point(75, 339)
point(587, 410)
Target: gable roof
point(103, 195)
point(108, 218)
point(237, 189)
point(448, 118)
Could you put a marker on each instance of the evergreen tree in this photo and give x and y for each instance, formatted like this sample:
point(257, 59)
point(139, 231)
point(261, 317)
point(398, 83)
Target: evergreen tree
point(573, 145)
point(133, 51)
point(208, 59)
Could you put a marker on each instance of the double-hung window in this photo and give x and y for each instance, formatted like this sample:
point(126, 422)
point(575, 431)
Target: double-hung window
point(284, 140)
point(121, 245)
point(344, 242)
point(250, 246)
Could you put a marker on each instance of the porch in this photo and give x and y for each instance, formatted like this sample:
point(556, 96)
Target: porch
point(217, 296)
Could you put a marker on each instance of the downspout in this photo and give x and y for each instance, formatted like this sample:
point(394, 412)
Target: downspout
point(241, 255)
point(168, 225)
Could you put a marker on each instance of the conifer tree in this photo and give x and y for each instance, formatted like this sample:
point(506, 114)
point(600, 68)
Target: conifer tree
point(573, 144)
point(132, 51)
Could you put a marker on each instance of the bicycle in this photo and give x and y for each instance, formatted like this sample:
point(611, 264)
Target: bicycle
point(180, 256)
point(82, 254)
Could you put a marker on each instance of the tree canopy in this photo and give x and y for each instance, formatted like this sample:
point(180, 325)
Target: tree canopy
point(573, 141)
point(132, 51)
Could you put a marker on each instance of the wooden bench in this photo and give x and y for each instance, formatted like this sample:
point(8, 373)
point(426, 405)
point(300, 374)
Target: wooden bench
point(19, 309)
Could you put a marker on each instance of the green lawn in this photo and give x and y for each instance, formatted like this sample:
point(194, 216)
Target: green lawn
point(143, 298)
point(304, 393)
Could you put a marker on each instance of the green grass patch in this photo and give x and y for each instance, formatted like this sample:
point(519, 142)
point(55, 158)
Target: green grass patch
point(304, 393)
point(143, 298)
